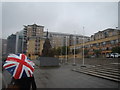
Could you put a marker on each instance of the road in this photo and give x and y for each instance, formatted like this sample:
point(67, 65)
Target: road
point(64, 77)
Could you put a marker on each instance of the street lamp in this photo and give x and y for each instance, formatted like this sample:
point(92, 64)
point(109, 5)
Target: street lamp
point(83, 63)
point(16, 47)
point(61, 52)
point(74, 64)
point(66, 50)
point(22, 42)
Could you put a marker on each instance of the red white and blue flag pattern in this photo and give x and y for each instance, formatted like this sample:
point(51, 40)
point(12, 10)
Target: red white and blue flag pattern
point(19, 66)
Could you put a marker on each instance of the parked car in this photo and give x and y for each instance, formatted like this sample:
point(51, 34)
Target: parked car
point(113, 55)
point(108, 55)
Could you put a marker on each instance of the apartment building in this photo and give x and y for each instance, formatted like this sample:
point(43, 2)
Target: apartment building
point(64, 39)
point(11, 44)
point(103, 40)
point(35, 43)
point(31, 31)
point(34, 47)
point(15, 43)
point(34, 37)
point(4, 47)
point(104, 34)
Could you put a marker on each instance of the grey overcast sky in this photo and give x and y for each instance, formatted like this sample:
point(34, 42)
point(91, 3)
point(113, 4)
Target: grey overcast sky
point(65, 17)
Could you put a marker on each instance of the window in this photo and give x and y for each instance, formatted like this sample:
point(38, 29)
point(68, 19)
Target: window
point(112, 42)
point(104, 43)
point(106, 34)
point(110, 48)
point(97, 44)
point(107, 42)
point(116, 41)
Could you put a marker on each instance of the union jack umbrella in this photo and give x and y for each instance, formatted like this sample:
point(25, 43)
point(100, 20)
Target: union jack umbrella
point(19, 66)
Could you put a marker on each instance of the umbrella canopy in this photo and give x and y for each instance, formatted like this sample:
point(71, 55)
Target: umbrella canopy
point(19, 66)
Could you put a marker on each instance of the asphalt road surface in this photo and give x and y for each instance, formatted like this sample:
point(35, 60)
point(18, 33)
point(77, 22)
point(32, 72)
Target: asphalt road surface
point(64, 77)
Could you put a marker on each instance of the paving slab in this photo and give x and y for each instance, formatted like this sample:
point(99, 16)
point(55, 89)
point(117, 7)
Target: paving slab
point(64, 77)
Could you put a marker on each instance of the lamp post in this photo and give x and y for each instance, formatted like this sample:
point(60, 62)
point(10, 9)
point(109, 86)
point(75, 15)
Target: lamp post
point(22, 42)
point(66, 51)
point(16, 46)
point(61, 52)
point(74, 64)
point(83, 63)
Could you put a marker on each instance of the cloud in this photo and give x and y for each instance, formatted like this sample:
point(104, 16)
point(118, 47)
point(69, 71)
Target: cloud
point(65, 17)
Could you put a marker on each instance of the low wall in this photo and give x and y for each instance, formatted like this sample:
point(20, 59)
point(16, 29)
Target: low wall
point(48, 61)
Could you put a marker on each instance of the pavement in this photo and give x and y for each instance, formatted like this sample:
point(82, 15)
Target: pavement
point(109, 71)
point(64, 77)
